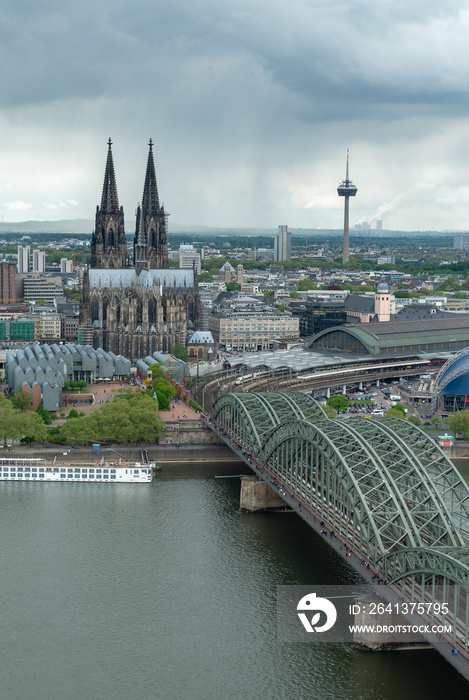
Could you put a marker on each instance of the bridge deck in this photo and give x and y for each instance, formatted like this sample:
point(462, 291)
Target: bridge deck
point(391, 593)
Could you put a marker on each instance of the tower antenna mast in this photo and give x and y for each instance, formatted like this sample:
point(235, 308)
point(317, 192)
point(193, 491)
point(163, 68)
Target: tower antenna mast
point(346, 189)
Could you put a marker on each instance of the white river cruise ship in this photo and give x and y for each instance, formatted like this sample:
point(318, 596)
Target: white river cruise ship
point(106, 473)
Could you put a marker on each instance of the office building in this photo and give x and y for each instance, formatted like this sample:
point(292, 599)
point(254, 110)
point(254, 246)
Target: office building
point(188, 257)
point(282, 244)
point(24, 252)
point(461, 241)
point(41, 288)
point(248, 330)
point(7, 283)
point(39, 261)
point(66, 266)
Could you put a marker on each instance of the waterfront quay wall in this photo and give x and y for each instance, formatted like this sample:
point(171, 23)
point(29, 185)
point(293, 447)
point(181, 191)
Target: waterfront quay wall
point(182, 441)
point(133, 453)
point(189, 432)
point(459, 450)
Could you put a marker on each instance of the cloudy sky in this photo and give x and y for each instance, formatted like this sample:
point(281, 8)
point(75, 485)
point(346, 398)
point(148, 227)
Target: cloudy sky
point(251, 105)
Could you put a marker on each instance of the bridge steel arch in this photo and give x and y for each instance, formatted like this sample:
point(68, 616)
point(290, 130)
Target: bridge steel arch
point(383, 485)
point(431, 513)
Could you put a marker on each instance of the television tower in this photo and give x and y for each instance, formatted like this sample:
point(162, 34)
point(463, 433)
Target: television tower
point(346, 189)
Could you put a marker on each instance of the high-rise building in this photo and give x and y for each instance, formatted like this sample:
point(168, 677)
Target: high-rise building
point(282, 244)
point(461, 241)
point(66, 266)
point(188, 257)
point(24, 252)
point(39, 261)
point(7, 283)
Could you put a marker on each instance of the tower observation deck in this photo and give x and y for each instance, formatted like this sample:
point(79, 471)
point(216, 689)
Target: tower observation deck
point(346, 189)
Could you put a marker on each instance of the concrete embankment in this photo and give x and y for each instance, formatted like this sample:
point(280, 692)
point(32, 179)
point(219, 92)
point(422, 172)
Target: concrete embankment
point(459, 450)
point(182, 441)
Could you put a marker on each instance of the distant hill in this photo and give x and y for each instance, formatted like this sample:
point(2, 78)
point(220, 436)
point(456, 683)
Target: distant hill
point(86, 226)
point(63, 226)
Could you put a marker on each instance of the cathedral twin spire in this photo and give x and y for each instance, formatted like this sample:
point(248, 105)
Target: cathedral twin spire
point(108, 244)
point(151, 241)
point(109, 198)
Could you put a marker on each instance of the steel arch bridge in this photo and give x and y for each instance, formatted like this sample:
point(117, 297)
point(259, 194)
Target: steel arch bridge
point(381, 485)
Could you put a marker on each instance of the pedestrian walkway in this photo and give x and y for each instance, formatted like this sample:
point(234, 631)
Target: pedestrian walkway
point(178, 411)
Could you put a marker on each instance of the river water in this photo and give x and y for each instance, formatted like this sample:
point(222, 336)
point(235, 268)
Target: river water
point(166, 591)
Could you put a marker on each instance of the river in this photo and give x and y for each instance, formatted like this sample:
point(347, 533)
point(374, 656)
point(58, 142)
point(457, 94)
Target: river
point(166, 591)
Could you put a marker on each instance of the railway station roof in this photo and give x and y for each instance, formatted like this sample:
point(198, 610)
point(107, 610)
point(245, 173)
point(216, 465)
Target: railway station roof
point(296, 359)
point(395, 338)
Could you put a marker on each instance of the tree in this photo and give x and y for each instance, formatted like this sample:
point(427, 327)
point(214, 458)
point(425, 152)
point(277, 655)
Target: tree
point(79, 430)
point(162, 387)
point(400, 407)
point(157, 369)
point(459, 423)
point(436, 419)
point(16, 424)
point(164, 391)
point(21, 400)
point(451, 284)
point(294, 295)
point(233, 287)
point(129, 418)
point(73, 414)
point(415, 420)
point(306, 285)
point(34, 427)
point(339, 402)
point(205, 277)
point(132, 419)
point(329, 411)
point(43, 414)
point(179, 351)
point(395, 413)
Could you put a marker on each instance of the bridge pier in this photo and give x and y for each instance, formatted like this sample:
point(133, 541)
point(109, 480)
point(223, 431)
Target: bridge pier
point(344, 389)
point(257, 495)
point(379, 640)
point(360, 386)
point(328, 392)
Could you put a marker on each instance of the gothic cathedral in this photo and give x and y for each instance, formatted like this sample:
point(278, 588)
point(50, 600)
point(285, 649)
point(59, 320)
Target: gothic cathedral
point(141, 308)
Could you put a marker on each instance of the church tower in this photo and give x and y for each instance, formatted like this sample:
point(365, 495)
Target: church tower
point(151, 241)
point(108, 245)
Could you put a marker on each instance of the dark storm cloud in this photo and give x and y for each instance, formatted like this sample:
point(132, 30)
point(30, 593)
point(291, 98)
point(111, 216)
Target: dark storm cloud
point(251, 104)
point(368, 54)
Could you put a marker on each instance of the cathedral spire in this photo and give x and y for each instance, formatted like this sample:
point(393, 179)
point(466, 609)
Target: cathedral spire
point(108, 244)
point(140, 244)
point(150, 201)
point(109, 199)
point(151, 223)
